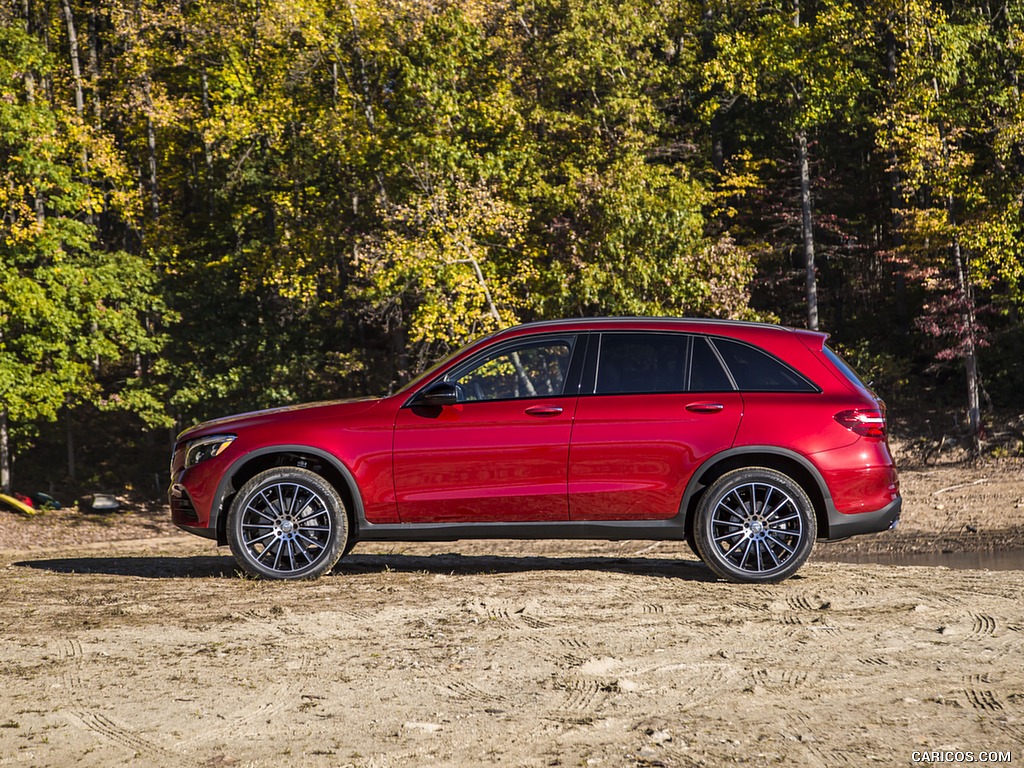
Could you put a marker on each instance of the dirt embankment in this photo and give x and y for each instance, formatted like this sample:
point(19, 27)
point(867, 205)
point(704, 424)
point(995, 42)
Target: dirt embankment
point(154, 652)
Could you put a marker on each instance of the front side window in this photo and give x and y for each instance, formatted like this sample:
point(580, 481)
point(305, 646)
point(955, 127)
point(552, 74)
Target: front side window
point(757, 371)
point(535, 369)
point(632, 363)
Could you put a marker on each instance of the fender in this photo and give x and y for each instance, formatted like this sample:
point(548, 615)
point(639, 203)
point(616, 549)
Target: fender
point(697, 483)
point(226, 485)
point(840, 526)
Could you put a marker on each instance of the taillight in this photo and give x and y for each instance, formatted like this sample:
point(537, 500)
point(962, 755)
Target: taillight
point(869, 423)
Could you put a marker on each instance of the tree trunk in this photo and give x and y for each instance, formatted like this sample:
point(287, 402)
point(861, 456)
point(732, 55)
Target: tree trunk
point(69, 433)
point(807, 220)
point(966, 296)
point(76, 70)
point(364, 87)
point(94, 67)
point(5, 454)
point(811, 282)
point(963, 286)
point(207, 151)
point(708, 53)
point(151, 144)
point(896, 202)
point(76, 75)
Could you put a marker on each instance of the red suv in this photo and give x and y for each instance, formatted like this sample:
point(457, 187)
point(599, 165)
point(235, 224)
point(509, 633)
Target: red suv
point(747, 440)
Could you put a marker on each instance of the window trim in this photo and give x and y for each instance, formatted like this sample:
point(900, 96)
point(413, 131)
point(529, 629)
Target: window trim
point(588, 386)
point(721, 362)
point(512, 345)
point(814, 389)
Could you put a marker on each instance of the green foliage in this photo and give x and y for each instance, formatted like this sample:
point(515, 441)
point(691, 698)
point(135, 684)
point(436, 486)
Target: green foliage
point(67, 305)
point(265, 203)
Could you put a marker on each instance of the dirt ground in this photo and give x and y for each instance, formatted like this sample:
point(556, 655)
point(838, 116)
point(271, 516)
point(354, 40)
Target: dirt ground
point(154, 652)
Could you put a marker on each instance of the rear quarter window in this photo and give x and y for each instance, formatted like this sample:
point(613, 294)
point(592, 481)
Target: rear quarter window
point(844, 368)
point(754, 370)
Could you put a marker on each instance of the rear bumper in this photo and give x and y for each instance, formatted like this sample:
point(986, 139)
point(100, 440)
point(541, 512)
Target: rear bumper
point(841, 526)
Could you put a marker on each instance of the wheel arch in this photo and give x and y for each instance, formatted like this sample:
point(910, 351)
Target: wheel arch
point(787, 462)
point(315, 460)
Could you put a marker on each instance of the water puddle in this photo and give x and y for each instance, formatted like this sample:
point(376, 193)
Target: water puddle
point(1001, 560)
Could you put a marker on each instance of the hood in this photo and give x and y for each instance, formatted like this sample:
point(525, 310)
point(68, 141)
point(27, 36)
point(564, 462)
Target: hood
point(254, 418)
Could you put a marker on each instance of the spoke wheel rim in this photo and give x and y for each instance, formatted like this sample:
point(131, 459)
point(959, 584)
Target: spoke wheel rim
point(286, 527)
point(757, 527)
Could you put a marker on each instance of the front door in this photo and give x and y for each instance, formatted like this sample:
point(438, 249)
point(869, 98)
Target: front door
point(499, 454)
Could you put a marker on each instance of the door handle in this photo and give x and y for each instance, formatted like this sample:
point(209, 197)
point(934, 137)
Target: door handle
point(705, 407)
point(543, 410)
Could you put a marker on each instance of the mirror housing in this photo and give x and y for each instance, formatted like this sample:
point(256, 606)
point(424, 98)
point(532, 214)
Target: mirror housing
point(440, 394)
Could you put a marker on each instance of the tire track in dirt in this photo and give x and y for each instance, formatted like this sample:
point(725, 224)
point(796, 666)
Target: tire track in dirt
point(127, 737)
point(801, 603)
point(288, 691)
point(983, 624)
point(985, 700)
point(799, 726)
point(708, 689)
point(582, 698)
point(71, 655)
point(466, 691)
point(534, 623)
point(562, 651)
point(783, 678)
point(649, 608)
point(875, 661)
point(831, 757)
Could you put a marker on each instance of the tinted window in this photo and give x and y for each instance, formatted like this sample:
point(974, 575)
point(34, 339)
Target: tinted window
point(641, 362)
point(844, 368)
point(756, 371)
point(527, 370)
point(706, 372)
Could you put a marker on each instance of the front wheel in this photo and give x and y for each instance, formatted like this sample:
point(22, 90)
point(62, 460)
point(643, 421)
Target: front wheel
point(287, 523)
point(755, 525)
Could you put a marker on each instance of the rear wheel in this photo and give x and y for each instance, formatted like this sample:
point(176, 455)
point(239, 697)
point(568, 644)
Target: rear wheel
point(287, 523)
point(755, 525)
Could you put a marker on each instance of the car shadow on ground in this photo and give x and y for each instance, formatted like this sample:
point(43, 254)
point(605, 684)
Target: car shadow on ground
point(471, 565)
point(156, 567)
point(163, 567)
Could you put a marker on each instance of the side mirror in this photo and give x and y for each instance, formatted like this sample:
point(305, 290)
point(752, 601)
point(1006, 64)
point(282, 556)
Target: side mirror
point(442, 393)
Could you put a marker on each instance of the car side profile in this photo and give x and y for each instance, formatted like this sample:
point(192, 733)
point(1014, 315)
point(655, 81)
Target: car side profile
point(749, 441)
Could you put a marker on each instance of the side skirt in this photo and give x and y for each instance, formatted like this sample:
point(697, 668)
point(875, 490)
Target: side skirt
point(672, 529)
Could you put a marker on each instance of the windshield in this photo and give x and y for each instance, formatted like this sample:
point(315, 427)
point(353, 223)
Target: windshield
point(416, 381)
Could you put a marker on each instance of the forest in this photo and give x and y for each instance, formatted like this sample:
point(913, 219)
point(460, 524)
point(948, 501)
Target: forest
point(209, 206)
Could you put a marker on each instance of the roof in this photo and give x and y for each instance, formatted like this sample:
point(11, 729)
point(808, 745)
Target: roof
point(683, 323)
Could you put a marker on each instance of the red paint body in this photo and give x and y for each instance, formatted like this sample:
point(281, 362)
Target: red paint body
point(576, 456)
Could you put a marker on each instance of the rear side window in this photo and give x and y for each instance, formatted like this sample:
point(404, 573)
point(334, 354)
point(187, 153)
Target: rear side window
point(844, 368)
point(706, 372)
point(630, 363)
point(757, 371)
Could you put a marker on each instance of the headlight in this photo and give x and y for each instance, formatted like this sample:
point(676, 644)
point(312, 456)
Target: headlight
point(206, 448)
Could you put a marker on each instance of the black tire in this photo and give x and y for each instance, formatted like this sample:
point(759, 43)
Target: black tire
point(287, 523)
point(755, 525)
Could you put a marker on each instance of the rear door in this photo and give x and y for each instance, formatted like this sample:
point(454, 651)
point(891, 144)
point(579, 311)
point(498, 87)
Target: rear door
point(653, 407)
